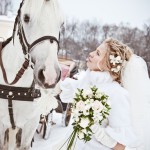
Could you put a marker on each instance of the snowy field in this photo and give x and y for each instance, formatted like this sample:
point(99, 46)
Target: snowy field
point(58, 133)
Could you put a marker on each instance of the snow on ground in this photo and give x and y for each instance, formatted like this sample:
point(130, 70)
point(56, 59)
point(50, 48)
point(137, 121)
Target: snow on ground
point(58, 133)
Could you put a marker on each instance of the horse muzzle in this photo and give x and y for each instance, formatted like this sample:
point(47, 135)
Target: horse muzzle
point(47, 79)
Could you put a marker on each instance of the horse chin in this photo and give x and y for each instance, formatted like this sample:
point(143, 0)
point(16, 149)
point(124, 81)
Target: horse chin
point(46, 86)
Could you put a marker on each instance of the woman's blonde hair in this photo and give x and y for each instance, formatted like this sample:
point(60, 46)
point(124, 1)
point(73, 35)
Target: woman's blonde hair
point(116, 48)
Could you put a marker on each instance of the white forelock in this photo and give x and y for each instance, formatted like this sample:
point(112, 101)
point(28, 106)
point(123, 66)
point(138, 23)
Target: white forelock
point(36, 7)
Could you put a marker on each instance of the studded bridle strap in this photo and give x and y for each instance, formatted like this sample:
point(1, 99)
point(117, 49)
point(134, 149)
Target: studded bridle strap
point(11, 114)
point(17, 93)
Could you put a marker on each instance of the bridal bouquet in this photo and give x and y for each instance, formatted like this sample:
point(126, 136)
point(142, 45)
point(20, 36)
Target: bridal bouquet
point(90, 106)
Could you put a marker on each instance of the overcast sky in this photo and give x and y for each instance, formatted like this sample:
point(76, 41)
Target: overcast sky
point(135, 12)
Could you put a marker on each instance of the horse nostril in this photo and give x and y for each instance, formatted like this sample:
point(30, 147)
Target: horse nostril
point(41, 76)
point(58, 77)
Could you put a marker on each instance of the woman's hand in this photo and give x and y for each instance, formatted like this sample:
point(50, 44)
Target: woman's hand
point(68, 74)
point(119, 147)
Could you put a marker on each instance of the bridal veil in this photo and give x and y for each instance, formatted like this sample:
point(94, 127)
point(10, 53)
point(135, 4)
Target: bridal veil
point(136, 80)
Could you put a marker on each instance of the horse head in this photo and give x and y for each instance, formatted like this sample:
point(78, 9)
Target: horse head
point(39, 23)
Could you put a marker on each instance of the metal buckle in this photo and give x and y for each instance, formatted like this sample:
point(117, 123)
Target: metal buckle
point(27, 56)
point(10, 96)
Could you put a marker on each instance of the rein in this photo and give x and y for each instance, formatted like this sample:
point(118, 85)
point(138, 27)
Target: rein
point(20, 72)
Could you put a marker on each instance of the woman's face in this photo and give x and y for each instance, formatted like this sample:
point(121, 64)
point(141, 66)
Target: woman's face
point(96, 58)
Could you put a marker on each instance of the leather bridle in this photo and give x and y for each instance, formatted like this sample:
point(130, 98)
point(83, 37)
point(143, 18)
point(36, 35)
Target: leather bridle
point(27, 48)
point(33, 44)
point(8, 91)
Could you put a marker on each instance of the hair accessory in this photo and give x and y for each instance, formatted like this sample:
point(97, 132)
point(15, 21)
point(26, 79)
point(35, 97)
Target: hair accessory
point(117, 69)
point(115, 60)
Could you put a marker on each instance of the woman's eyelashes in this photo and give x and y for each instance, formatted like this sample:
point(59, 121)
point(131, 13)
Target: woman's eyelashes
point(97, 52)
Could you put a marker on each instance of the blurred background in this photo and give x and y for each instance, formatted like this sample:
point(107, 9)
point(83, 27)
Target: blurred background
point(88, 23)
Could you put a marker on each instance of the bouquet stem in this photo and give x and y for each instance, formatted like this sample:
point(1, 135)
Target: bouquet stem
point(70, 140)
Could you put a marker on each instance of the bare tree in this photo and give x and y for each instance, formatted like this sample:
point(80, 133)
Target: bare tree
point(106, 29)
point(82, 37)
point(147, 35)
point(147, 44)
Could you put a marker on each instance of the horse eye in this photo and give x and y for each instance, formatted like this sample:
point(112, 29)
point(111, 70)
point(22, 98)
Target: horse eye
point(26, 18)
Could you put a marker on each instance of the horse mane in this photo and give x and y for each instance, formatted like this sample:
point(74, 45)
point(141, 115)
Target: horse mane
point(17, 19)
point(15, 25)
point(4, 43)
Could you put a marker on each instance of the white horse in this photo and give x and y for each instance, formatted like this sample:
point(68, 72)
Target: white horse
point(35, 40)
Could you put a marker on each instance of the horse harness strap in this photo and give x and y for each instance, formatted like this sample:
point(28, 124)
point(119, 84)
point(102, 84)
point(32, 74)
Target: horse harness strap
point(23, 39)
point(20, 72)
point(17, 93)
point(0, 46)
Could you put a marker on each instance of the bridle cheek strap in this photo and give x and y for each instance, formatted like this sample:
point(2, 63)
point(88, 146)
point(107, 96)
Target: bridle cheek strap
point(39, 40)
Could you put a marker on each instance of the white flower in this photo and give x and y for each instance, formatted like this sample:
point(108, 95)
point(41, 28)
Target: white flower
point(117, 69)
point(87, 92)
point(84, 122)
point(118, 58)
point(97, 106)
point(88, 108)
point(80, 135)
point(80, 106)
point(97, 117)
point(75, 113)
point(115, 60)
point(89, 102)
point(85, 112)
point(76, 118)
point(98, 94)
point(100, 117)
